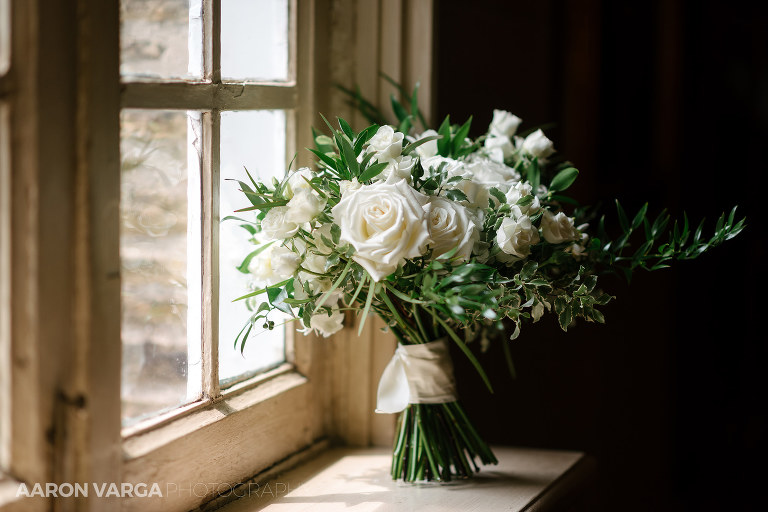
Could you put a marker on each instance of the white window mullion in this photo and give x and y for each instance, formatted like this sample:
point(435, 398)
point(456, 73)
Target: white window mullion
point(210, 260)
point(196, 156)
point(212, 40)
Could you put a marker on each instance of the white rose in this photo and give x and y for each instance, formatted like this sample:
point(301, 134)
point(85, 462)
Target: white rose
point(520, 190)
point(346, 185)
point(558, 228)
point(504, 123)
point(499, 148)
point(327, 325)
point(515, 236)
point(451, 225)
point(304, 206)
point(284, 261)
point(315, 262)
point(487, 174)
point(398, 169)
point(276, 226)
point(537, 144)
point(385, 223)
point(274, 264)
point(296, 182)
point(386, 143)
point(428, 149)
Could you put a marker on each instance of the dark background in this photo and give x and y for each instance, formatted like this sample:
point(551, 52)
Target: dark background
point(659, 101)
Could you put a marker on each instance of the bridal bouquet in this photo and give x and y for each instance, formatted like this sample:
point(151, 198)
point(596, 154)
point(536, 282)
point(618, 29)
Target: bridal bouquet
point(445, 238)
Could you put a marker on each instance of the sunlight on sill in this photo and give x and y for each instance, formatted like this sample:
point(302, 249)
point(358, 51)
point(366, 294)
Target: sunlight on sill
point(358, 479)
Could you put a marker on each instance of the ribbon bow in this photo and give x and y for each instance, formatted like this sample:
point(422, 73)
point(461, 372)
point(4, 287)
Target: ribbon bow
point(417, 374)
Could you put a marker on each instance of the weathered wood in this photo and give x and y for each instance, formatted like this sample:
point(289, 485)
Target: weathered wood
point(204, 96)
point(210, 160)
point(227, 442)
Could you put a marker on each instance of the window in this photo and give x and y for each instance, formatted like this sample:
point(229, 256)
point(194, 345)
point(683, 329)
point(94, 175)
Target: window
point(209, 87)
point(183, 117)
point(172, 141)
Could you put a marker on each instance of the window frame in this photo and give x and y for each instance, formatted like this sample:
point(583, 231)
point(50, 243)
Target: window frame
point(65, 317)
point(204, 426)
point(212, 96)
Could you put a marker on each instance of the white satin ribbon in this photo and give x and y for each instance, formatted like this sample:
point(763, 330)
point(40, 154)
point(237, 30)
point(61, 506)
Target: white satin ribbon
point(417, 374)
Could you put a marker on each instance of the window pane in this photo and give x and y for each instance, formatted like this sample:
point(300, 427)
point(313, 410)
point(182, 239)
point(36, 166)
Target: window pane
point(5, 35)
point(254, 140)
point(161, 38)
point(5, 287)
point(160, 305)
point(254, 39)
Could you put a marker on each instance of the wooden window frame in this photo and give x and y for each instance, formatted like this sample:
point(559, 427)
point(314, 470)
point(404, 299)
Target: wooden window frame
point(285, 403)
point(64, 328)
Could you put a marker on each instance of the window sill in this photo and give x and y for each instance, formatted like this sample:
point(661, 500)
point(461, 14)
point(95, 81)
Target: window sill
point(525, 479)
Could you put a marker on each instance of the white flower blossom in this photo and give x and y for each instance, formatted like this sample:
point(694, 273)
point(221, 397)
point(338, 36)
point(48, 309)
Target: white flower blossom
point(515, 236)
point(326, 325)
point(386, 143)
point(276, 226)
point(297, 182)
point(428, 149)
point(499, 147)
point(398, 169)
point(274, 264)
point(537, 144)
point(346, 185)
point(451, 225)
point(520, 190)
point(385, 223)
point(304, 206)
point(504, 124)
point(558, 228)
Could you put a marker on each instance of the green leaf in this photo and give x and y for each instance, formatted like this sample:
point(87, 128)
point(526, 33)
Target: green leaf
point(398, 109)
point(564, 318)
point(528, 270)
point(413, 145)
point(524, 201)
point(368, 302)
point(232, 217)
point(461, 135)
point(467, 352)
point(335, 285)
point(264, 206)
point(456, 195)
point(533, 174)
point(639, 217)
point(348, 154)
point(444, 144)
point(372, 171)
point(364, 137)
point(359, 288)
point(335, 233)
point(563, 199)
point(243, 267)
point(263, 290)
point(563, 179)
point(622, 217)
point(346, 129)
point(499, 195)
point(330, 162)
